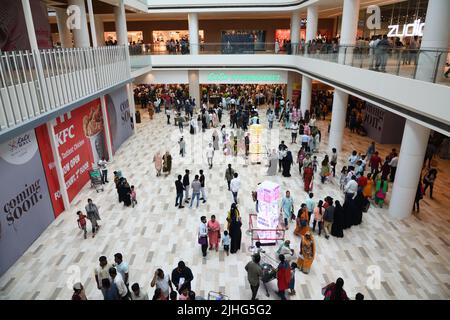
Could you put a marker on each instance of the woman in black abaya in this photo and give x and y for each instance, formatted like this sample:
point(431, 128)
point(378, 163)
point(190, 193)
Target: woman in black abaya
point(235, 232)
point(287, 163)
point(359, 203)
point(338, 222)
point(124, 193)
point(347, 213)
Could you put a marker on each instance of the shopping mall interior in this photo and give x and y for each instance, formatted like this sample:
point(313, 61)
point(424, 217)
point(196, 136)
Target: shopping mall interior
point(331, 114)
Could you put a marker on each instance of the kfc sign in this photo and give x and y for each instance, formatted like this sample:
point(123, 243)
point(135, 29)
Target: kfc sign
point(61, 137)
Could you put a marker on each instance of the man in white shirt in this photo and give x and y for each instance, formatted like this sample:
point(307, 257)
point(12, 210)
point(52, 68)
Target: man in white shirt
point(393, 164)
point(353, 159)
point(102, 272)
point(120, 284)
point(102, 164)
point(351, 189)
point(210, 155)
point(203, 236)
point(162, 281)
point(121, 267)
point(137, 294)
point(235, 184)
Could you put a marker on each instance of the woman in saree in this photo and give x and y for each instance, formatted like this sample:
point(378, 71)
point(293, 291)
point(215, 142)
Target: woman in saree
point(308, 173)
point(368, 188)
point(213, 233)
point(301, 222)
point(381, 188)
point(307, 253)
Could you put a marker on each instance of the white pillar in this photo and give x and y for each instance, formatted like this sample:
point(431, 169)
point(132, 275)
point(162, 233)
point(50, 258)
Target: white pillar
point(194, 86)
point(412, 154)
point(295, 31)
point(132, 105)
point(312, 20)
point(340, 100)
point(65, 36)
point(107, 129)
point(100, 30)
point(305, 99)
point(92, 24)
point(193, 32)
point(121, 24)
point(81, 35)
point(58, 167)
point(35, 49)
point(436, 36)
point(349, 28)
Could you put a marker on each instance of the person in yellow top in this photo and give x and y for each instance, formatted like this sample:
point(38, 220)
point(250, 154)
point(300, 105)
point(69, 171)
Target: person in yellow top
point(368, 189)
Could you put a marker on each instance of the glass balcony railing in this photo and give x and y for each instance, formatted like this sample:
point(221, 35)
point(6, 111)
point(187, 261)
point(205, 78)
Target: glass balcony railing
point(397, 61)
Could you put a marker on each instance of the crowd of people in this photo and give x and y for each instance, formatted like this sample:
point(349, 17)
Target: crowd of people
point(363, 179)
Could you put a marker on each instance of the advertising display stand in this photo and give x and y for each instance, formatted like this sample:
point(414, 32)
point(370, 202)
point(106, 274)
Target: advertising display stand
point(268, 194)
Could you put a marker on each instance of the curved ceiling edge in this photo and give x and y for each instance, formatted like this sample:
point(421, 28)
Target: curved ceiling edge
point(293, 5)
point(443, 127)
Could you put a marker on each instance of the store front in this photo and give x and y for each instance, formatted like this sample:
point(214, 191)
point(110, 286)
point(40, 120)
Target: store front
point(133, 36)
point(262, 86)
point(161, 38)
point(402, 19)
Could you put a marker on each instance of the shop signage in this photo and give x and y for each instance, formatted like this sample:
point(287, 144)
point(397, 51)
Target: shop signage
point(409, 30)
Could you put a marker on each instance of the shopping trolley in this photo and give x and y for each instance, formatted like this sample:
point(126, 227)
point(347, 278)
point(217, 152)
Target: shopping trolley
point(96, 179)
point(269, 270)
point(213, 295)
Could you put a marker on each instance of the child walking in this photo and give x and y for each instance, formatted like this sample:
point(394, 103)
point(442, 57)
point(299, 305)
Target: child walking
point(292, 282)
point(133, 197)
point(315, 163)
point(226, 242)
point(82, 222)
point(343, 178)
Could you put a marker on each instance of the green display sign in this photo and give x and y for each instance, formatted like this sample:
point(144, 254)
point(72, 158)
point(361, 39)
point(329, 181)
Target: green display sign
point(242, 78)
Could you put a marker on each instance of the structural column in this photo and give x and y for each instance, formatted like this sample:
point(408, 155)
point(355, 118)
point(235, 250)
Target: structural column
point(412, 154)
point(65, 36)
point(121, 24)
point(349, 28)
point(107, 129)
point(193, 32)
point(340, 101)
point(100, 29)
point(58, 167)
point(92, 24)
point(194, 87)
point(436, 35)
point(348, 38)
point(295, 31)
point(81, 34)
point(311, 32)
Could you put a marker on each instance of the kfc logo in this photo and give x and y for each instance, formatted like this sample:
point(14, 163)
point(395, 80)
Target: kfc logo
point(61, 137)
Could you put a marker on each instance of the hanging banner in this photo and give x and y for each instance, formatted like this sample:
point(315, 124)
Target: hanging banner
point(119, 117)
point(24, 198)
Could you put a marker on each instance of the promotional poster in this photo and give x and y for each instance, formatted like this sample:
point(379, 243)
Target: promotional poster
point(81, 144)
point(119, 117)
point(25, 200)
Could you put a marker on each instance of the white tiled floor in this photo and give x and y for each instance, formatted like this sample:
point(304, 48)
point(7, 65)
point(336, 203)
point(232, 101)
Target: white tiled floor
point(413, 255)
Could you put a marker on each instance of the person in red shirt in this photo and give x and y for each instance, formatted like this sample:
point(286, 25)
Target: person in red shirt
point(375, 162)
point(362, 182)
point(82, 222)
